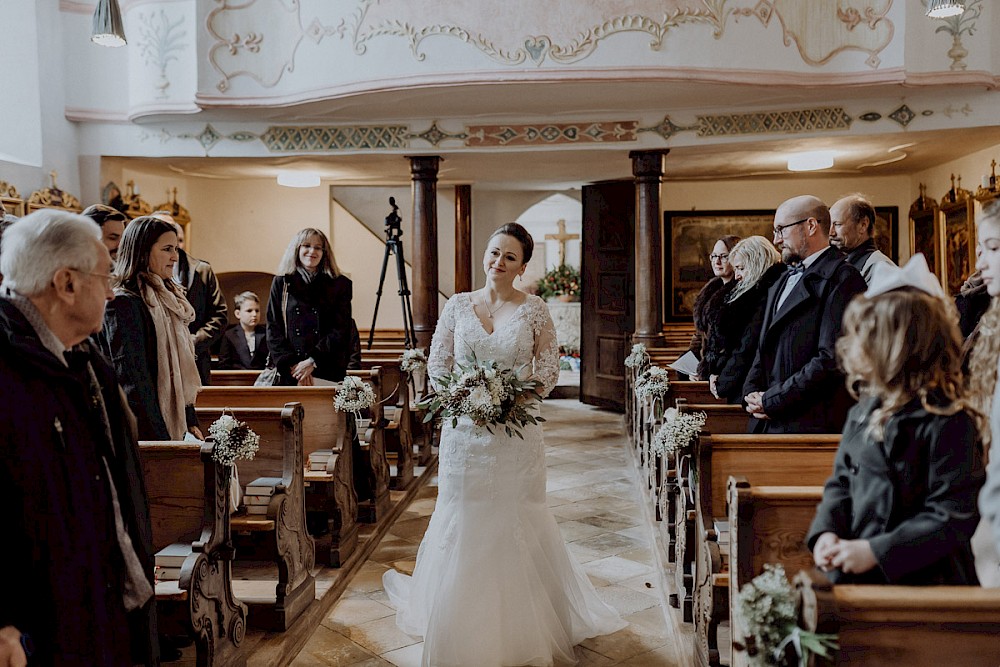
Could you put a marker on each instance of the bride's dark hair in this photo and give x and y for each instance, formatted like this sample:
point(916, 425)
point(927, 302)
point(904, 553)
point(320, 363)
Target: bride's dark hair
point(519, 233)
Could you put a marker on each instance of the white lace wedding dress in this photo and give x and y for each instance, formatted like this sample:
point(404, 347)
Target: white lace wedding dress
point(494, 583)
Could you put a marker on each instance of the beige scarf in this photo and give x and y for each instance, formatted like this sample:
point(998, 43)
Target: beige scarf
point(177, 377)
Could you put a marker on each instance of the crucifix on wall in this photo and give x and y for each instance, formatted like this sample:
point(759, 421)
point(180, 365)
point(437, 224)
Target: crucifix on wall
point(563, 239)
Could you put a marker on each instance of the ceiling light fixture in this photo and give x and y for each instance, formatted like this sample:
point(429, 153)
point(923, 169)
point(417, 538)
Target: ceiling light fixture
point(298, 179)
point(942, 9)
point(108, 29)
point(811, 160)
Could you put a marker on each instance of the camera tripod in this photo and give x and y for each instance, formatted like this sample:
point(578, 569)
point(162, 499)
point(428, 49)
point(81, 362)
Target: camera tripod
point(393, 246)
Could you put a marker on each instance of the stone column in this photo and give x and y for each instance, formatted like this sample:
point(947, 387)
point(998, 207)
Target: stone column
point(424, 258)
point(463, 238)
point(647, 167)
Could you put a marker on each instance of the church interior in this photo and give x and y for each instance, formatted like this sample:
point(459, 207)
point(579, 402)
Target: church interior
point(251, 120)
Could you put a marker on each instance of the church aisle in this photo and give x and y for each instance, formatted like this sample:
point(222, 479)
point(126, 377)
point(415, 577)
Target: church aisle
point(593, 497)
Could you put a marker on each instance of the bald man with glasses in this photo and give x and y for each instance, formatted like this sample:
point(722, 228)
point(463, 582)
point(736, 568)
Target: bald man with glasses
point(794, 385)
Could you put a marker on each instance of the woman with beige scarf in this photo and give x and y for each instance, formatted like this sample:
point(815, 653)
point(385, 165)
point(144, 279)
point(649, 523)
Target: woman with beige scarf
point(146, 333)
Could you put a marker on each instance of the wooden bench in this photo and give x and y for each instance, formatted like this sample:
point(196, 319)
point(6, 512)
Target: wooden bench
point(332, 493)
point(372, 455)
point(772, 460)
point(393, 395)
point(233, 378)
point(917, 626)
point(283, 528)
point(189, 503)
point(767, 524)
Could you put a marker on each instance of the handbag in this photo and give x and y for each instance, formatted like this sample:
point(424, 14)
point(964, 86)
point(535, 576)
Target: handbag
point(270, 377)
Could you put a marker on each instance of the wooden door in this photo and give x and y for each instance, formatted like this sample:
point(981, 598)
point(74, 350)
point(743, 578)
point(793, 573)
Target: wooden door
point(608, 272)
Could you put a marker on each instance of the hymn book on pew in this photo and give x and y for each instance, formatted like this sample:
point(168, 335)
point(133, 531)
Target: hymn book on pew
point(263, 486)
point(686, 364)
point(319, 459)
point(168, 561)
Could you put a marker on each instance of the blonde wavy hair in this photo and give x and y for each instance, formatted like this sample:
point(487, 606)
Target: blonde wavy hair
point(758, 255)
point(902, 345)
point(290, 260)
point(985, 341)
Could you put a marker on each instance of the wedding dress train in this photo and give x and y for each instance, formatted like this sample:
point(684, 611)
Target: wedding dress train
point(494, 583)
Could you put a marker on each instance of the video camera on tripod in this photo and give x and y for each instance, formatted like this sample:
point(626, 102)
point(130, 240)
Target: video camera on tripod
point(393, 246)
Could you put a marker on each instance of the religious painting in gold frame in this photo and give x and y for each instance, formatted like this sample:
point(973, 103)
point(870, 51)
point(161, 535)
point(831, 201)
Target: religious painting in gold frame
point(688, 239)
point(958, 242)
point(925, 232)
point(11, 199)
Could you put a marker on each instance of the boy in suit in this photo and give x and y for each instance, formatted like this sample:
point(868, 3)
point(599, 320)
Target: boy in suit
point(244, 346)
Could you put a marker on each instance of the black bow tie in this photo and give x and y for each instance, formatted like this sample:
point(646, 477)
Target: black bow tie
point(796, 268)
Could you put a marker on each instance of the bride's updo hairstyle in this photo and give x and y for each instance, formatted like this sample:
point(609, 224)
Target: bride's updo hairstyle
point(519, 233)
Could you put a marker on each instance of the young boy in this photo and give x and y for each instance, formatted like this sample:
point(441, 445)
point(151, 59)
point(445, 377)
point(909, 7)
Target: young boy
point(244, 345)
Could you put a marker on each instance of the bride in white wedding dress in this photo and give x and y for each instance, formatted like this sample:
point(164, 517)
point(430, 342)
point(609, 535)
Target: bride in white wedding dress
point(494, 584)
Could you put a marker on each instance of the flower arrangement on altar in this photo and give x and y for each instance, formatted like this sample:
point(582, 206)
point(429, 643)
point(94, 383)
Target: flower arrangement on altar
point(354, 396)
point(563, 280)
point(678, 431)
point(486, 394)
point(767, 606)
point(638, 357)
point(233, 439)
point(413, 361)
point(652, 383)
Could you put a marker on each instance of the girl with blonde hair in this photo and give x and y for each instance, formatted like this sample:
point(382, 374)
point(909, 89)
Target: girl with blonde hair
point(734, 327)
point(900, 507)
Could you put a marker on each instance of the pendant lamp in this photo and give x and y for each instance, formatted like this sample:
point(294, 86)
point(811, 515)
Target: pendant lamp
point(942, 9)
point(108, 28)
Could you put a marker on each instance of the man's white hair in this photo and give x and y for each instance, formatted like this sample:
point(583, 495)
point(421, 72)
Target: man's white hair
point(44, 242)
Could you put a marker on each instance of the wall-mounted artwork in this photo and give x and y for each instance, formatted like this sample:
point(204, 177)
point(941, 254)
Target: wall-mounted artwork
point(886, 239)
point(959, 242)
point(925, 231)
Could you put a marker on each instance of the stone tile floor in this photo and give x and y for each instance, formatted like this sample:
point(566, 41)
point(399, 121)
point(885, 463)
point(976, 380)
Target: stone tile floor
point(592, 493)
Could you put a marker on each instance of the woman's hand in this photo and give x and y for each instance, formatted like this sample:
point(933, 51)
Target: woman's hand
point(712, 379)
point(822, 550)
point(853, 556)
point(196, 432)
point(303, 369)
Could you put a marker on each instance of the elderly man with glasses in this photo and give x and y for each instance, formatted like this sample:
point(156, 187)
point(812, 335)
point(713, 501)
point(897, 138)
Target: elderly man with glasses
point(794, 385)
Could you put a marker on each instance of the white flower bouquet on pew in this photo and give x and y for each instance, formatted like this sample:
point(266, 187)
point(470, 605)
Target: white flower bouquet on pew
point(638, 357)
point(233, 439)
point(486, 394)
point(652, 383)
point(678, 431)
point(413, 361)
point(767, 606)
point(354, 396)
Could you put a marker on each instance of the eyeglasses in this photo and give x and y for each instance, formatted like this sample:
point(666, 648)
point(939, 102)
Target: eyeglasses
point(779, 230)
point(109, 277)
point(721, 257)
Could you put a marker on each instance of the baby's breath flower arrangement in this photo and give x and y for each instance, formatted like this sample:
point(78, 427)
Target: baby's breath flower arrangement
point(638, 357)
point(413, 361)
point(652, 383)
point(486, 394)
point(678, 431)
point(233, 439)
point(767, 606)
point(354, 396)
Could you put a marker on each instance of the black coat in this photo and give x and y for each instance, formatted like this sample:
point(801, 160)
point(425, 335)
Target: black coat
point(912, 497)
point(234, 353)
point(62, 567)
point(204, 294)
point(796, 361)
point(129, 340)
point(733, 334)
point(703, 303)
point(318, 317)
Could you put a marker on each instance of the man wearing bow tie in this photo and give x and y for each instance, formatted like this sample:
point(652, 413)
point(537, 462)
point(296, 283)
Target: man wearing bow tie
point(794, 385)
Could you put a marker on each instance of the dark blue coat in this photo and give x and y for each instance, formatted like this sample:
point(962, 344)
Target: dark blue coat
point(62, 568)
point(796, 361)
point(913, 497)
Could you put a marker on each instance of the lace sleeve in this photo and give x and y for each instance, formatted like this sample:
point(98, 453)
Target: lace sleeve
point(441, 359)
point(546, 352)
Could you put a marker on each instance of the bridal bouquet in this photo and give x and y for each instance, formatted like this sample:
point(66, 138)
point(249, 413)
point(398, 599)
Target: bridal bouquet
point(487, 394)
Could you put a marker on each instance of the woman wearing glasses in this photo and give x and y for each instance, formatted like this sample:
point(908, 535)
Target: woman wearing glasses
point(711, 297)
point(146, 333)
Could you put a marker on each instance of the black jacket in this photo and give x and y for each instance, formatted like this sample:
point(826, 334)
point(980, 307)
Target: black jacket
point(912, 497)
point(129, 340)
point(796, 361)
point(63, 571)
point(733, 335)
point(209, 304)
point(316, 323)
point(234, 353)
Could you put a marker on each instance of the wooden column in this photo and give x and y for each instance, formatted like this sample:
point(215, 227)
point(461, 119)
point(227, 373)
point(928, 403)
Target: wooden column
point(463, 238)
point(424, 260)
point(647, 167)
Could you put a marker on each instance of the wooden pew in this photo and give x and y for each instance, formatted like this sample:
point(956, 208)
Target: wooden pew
point(393, 395)
point(372, 454)
point(879, 626)
point(331, 493)
point(283, 528)
point(772, 460)
point(767, 524)
point(233, 378)
point(189, 503)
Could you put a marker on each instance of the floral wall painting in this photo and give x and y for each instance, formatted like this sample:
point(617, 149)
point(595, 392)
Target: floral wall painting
point(688, 239)
point(956, 26)
point(160, 43)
